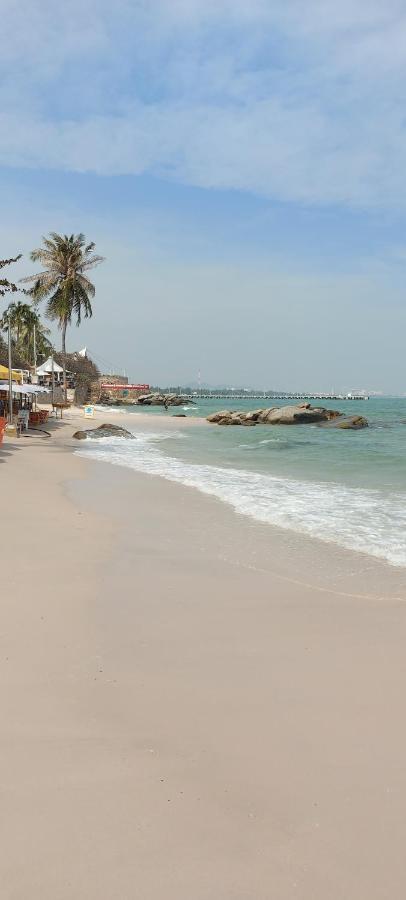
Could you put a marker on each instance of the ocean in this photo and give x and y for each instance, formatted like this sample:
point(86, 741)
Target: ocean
point(342, 487)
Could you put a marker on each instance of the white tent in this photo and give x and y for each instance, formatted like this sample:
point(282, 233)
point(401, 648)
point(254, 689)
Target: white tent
point(46, 368)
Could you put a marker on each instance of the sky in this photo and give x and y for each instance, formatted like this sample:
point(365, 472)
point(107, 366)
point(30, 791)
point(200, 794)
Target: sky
point(241, 166)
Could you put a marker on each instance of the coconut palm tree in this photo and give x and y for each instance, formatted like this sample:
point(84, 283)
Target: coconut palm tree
point(63, 283)
point(34, 336)
point(15, 315)
point(23, 320)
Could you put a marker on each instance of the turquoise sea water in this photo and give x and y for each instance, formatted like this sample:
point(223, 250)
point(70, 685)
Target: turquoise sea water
point(345, 487)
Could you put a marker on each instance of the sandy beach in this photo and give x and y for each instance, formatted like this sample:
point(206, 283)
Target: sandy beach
point(194, 706)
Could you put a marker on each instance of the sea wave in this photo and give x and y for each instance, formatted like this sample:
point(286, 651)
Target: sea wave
point(368, 521)
point(108, 410)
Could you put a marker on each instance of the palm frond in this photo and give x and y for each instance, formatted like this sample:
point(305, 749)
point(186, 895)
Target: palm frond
point(87, 285)
point(91, 263)
point(39, 276)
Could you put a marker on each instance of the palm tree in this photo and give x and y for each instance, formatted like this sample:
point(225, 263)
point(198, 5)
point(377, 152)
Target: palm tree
point(15, 315)
point(34, 336)
point(63, 281)
point(23, 319)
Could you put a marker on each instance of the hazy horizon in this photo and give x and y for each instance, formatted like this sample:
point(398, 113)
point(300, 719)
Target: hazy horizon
point(240, 166)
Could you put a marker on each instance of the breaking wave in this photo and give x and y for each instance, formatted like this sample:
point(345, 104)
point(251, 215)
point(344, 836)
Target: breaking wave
point(368, 521)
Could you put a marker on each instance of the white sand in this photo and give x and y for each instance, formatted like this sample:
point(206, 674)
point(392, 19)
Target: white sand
point(194, 707)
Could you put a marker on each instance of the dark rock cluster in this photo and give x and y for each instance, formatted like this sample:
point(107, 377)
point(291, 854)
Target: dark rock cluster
point(289, 415)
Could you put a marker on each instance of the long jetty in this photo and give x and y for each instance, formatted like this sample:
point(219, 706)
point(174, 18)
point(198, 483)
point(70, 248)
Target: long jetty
point(264, 396)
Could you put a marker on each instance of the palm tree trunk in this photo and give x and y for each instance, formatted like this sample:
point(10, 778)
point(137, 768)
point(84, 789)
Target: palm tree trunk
point(65, 389)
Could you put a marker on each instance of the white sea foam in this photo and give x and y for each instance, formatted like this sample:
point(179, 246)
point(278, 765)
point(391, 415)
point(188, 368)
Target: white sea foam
point(110, 409)
point(364, 520)
point(257, 446)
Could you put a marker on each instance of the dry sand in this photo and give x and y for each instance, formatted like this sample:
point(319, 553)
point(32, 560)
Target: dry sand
point(194, 707)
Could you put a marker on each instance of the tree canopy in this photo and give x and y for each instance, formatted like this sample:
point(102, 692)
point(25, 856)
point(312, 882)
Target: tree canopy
point(23, 318)
point(63, 282)
point(6, 286)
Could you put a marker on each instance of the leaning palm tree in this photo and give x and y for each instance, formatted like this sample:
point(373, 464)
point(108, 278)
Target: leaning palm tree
point(63, 283)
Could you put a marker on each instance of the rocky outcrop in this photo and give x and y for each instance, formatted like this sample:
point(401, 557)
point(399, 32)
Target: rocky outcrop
point(105, 400)
point(156, 399)
point(351, 422)
point(288, 415)
point(103, 431)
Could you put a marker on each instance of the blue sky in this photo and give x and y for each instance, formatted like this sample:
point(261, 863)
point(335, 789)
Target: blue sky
point(240, 165)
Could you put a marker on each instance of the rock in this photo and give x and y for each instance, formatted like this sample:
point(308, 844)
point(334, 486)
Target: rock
point(214, 418)
point(253, 416)
point(346, 422)
point(288, 415)
point(103, 431)
point(297, 415)
point(229, 420)
point(157, 399)
point(179, 416)
point(263, 414)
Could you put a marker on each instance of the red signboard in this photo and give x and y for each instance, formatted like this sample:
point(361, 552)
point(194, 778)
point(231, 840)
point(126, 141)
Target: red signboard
point(126, 387)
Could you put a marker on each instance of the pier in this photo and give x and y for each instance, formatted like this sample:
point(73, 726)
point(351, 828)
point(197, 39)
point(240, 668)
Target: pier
point(257, 395)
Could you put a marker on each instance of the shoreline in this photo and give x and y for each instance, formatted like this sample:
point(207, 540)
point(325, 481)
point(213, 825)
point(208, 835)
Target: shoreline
point(182, 715)
point(215, 481)
point(330, 555)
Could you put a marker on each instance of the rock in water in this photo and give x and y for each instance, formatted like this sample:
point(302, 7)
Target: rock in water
point(346, 422)
point(215, 418)
point(288, 415)
point(157, 399)
point(102, 431)
point(297, 415)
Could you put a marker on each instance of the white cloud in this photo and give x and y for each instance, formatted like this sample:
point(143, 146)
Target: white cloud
point(302, 102)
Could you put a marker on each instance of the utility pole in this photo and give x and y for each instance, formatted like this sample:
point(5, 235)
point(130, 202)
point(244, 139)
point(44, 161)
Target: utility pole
point(10, 376)
point(35, 349)
point(52, 376)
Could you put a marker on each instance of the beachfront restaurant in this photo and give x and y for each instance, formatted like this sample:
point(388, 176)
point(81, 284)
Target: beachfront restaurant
point(24, 397)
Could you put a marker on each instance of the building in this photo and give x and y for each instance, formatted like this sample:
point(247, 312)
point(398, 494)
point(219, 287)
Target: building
point(116, 389)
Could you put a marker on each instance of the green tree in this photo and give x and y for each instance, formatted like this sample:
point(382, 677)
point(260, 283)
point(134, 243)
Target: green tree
point(63, 283)
point(44, 346)
point(16, 315)
point(24, 322)
point(7, 287)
